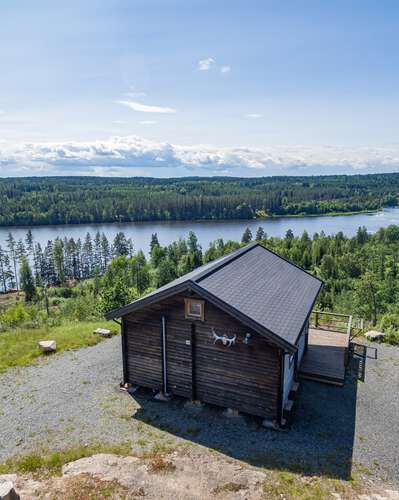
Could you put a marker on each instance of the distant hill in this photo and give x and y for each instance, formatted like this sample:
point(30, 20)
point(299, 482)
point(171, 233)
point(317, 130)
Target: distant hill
point(74, 200)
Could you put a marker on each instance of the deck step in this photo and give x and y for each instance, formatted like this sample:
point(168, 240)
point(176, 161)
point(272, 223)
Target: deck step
point(321, 378)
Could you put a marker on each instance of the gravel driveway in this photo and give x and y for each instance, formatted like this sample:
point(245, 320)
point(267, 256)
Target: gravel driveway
point(72, 398)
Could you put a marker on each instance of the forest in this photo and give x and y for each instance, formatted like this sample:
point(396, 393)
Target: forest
point(74, 280)
point(74, 200)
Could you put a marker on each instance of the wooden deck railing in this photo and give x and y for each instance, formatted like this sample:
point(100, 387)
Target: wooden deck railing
point(335, 322)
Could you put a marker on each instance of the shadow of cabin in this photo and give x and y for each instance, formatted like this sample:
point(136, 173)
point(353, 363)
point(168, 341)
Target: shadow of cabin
point(320, 441)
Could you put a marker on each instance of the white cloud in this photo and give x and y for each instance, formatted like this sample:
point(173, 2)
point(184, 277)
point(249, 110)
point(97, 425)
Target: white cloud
point(145, 108)
point(119, 122)
point(225, 69)
point(254, 116)
point(128, 155)
point(205, 64)
point(147, 122)
point(134, 93)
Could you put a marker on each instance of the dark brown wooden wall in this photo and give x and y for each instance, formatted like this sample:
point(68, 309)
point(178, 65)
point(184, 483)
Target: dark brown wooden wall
point(244, 377)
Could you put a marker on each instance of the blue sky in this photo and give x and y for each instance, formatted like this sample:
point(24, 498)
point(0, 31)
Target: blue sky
point(189, 87)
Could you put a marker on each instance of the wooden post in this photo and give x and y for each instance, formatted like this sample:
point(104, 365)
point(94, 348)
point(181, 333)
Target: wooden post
point(316, 320)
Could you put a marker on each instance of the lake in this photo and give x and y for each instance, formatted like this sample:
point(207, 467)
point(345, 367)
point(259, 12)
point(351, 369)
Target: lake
point(208, 231)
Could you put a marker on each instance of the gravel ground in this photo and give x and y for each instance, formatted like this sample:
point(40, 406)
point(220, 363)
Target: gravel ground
point(72, 398)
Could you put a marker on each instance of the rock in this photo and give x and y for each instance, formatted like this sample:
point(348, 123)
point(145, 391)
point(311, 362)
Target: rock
point(374, 335)
point(128, 471)
point(7, 491)
point(47, 345)
point(104, 332)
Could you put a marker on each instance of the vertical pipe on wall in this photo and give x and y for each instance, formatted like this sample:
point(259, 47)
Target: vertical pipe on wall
point(193, 377)
point(124, 352)
point(281, 389)
point(124, 349)
point(164, 357)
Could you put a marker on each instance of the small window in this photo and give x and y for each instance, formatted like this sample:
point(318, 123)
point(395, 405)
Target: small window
point(194, 309)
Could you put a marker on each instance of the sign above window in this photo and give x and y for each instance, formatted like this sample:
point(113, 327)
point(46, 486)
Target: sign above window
point(194, 309)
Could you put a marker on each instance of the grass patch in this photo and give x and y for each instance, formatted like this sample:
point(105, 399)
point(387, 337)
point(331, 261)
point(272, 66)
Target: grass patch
point(19, 347)
point(228, 488)
point(159, 465)
point(283, 484)
point(88, 487)
point(52, 463)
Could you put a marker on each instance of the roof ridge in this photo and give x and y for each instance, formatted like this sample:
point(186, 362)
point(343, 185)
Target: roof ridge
point(226, 260)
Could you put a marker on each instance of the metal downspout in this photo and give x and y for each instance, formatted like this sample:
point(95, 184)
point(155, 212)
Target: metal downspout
point(164, 357)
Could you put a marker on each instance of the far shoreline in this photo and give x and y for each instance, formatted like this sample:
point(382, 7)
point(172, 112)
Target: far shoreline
point(328, 214)
point(166, 221)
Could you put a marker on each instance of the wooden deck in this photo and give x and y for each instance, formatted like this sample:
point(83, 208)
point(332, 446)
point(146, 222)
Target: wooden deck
point(325, 359)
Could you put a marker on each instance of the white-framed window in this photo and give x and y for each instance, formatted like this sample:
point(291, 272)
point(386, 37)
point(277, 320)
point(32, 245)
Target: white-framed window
point(194, 309)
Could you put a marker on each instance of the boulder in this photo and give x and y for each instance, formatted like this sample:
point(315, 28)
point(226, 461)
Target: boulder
point(374, 335)
point(47, 345)
point(7, 491)
point(104, 332)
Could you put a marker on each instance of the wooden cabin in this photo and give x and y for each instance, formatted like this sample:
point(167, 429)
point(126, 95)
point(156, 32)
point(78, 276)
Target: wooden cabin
point(230, 333)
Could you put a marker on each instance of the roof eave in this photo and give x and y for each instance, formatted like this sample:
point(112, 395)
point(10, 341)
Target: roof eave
point(191, 285)
point(310, 310)
point(148, 300)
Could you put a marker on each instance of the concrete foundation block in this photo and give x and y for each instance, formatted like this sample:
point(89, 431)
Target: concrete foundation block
point(231, 413)
point(161, 396)
point(271, 424)
point(194, 406)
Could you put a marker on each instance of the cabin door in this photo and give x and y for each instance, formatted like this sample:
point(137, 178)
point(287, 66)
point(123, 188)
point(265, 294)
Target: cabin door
point(179, 341)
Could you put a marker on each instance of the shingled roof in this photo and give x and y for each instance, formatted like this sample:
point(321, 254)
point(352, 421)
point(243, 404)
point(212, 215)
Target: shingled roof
point(264, 290)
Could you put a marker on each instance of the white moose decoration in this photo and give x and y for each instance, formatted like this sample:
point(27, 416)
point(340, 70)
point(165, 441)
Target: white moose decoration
point(224, 339)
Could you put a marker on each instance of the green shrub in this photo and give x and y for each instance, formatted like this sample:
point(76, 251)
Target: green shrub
point(389, 321)
point(14, 316)
point(62, 292)
point(114, 296)
point(389, 324)
point(56, 301)
point(392, 337)
point(81, 308)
